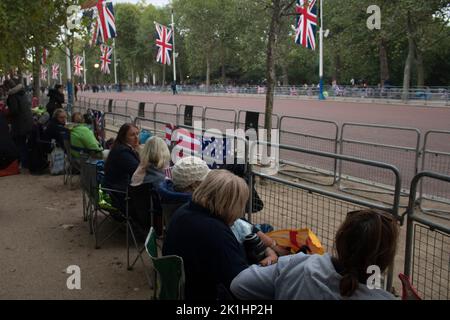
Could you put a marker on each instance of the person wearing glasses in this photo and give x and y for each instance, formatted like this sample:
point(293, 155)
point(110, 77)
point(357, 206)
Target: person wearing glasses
point(366, 238)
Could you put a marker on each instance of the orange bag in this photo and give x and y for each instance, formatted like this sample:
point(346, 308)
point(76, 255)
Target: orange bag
point(298, 239)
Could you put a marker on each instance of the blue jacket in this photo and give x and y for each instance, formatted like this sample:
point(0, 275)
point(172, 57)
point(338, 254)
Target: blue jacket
point(212, 255)
point(167, 193)
point(120, 166)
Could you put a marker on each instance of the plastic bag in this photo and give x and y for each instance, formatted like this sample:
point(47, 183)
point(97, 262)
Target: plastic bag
point(57, 161)
point(298, 240)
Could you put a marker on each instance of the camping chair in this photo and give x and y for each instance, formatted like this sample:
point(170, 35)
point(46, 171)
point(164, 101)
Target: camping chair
point(169, 278)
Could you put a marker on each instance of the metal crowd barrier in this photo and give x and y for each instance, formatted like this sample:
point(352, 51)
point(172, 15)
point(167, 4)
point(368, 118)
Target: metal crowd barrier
point(427, 255)
point(211, 120)
point(310, 134)
point(113, 121)
point(436, 158)
point(402, 149)
point(289, 204)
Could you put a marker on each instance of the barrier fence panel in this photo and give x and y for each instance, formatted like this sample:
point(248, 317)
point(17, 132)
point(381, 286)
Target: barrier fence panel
point(436, 158)
point(113, 121)
point(293, 205)
point(242, 119)
point(120, 107)
point(165, 114)
point(221, 119)
point(394, 145)
point(156, 127)
point(309, 134)
point(427, 256)
point(185, 116)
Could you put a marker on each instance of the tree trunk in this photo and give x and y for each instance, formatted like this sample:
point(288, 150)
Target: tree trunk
point(384, 65)
point(222, 62)
point(420, 69)
point(208, 72)
point(285, 75)
point(409, 60)
point(337, 67)
point(270, 65)
point(36, 75)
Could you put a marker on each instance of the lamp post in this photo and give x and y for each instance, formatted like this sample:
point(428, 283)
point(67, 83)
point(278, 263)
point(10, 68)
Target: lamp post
point(119, 85)
point(96, 66)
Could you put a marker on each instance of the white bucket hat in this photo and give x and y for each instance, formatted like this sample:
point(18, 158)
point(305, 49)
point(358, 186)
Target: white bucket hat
point(189, 170)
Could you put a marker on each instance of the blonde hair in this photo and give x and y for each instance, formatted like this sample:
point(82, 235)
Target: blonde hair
point(223, 194)
point(77, 117)
point(155, 153)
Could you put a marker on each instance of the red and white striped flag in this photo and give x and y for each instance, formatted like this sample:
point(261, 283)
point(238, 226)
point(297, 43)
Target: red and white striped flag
point(169, 130)
point(44, 56)
point(187, 143)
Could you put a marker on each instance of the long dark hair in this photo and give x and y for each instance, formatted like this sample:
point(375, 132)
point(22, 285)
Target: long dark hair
point(121, 139)
point(366, 238)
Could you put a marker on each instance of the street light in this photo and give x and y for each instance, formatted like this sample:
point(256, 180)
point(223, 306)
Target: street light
point(96, 66)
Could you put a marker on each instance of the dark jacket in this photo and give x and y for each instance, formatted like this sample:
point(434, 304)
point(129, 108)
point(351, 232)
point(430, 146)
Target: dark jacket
point(56, 131)
point(212, 255)
point(154, 177)
point(20, 112)
point(56, 101)
point(8, 150)
point(120, 166)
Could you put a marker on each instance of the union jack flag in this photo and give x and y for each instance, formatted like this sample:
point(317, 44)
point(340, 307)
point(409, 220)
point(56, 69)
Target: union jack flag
point(106, 58)
point(44, 72)
point(78, 61)
point(44, 56)
point(164, 44)
point(305, 34)
point(55, 71)
point(106, 22)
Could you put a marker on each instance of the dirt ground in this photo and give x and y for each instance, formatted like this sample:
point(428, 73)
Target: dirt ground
point(42, 233)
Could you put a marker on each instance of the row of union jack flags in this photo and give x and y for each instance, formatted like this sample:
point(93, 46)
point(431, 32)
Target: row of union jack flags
point(55, 72)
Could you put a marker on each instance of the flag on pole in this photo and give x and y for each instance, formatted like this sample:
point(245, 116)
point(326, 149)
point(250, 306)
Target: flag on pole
point(78, 61)
point(164, 44)
point(106, 22)
point(55, 71)
point(305, 32)
point(44, 72)
point(44, 56)
point(105, 58)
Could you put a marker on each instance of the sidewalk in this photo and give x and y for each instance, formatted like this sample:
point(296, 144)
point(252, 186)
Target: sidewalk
point(42, 233)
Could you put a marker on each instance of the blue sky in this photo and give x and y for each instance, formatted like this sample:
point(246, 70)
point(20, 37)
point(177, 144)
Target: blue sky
point(154, 2)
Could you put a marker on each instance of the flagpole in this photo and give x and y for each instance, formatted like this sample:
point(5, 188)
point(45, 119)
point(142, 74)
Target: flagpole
point(173, 51)
point(115, 62)
point(321, 96)
point(84, 67)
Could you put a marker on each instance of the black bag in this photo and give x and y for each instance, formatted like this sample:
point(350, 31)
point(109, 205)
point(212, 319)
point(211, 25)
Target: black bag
point(37, 151)
point(239, 170)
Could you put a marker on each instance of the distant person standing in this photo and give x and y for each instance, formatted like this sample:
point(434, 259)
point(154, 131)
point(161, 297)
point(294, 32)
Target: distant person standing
point(56, 96)
point(174, 87)
point(21, 117)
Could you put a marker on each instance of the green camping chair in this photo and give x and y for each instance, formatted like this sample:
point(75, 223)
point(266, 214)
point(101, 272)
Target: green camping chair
point(168, 280)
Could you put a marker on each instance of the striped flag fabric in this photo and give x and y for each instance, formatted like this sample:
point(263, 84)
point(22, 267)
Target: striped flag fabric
point(78, 61)
point(44, 56)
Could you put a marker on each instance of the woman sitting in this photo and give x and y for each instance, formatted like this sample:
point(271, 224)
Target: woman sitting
point(200, 233)
point(155, 158)
point(366, 238)
point(122, 162)
point(82, 139)
point(56, 129)
point(187, 174)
